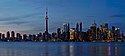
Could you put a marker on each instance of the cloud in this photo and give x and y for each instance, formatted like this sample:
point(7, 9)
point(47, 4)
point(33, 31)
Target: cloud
point(19, 17)
point(33, 30)
point(91, 16)
point(16, 22)
point(118, 15)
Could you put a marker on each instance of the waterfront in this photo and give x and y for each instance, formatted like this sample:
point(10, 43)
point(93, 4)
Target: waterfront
point(62, 49)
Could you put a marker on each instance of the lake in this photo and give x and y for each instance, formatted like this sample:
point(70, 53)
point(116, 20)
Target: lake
point(62, 49)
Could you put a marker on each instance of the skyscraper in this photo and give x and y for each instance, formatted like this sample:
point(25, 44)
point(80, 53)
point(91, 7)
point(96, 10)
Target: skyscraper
point(68, 33)
point(59, 33)
point(18, 37)
point(64, 27)
point(13, 35)
point(3, 37)
point(77, 27)
point(24, 37)
point(76, 33)
point(93, 30)
point(80, 26)
point(80, 34)
point(72, 34)
point(8, 35)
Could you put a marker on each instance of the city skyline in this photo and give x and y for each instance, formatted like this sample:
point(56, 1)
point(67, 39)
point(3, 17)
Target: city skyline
point(67, 34)
point(13, 18)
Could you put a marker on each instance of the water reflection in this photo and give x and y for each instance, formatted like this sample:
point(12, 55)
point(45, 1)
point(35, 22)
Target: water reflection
point(116, 50)
point(64, 50)
point(71, 48)
point(61, 49)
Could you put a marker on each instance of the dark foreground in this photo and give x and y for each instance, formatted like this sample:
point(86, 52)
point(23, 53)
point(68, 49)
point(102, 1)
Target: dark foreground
point(61, 49)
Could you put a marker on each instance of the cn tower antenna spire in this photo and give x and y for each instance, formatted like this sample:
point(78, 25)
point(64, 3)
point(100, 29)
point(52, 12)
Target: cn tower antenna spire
point(46, 10)
point(46, 14)
point(46, 18)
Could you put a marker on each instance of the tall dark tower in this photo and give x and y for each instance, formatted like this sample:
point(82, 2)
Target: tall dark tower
point(77, 27)
point(8, 35)
point(12, 34)
point(46, 18)
point(68, 33)
point(58, 32)
point(80, 26)
point(3, 37)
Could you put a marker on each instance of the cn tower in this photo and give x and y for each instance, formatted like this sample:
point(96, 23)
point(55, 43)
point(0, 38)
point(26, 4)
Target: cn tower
point(46, 18)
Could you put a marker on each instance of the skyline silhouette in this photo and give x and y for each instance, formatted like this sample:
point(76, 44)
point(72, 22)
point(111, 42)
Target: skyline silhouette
point(67, 34)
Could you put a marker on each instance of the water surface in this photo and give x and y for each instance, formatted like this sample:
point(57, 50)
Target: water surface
point(61, 49)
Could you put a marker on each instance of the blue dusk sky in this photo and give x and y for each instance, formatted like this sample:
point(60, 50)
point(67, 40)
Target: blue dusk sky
point(28, 16)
